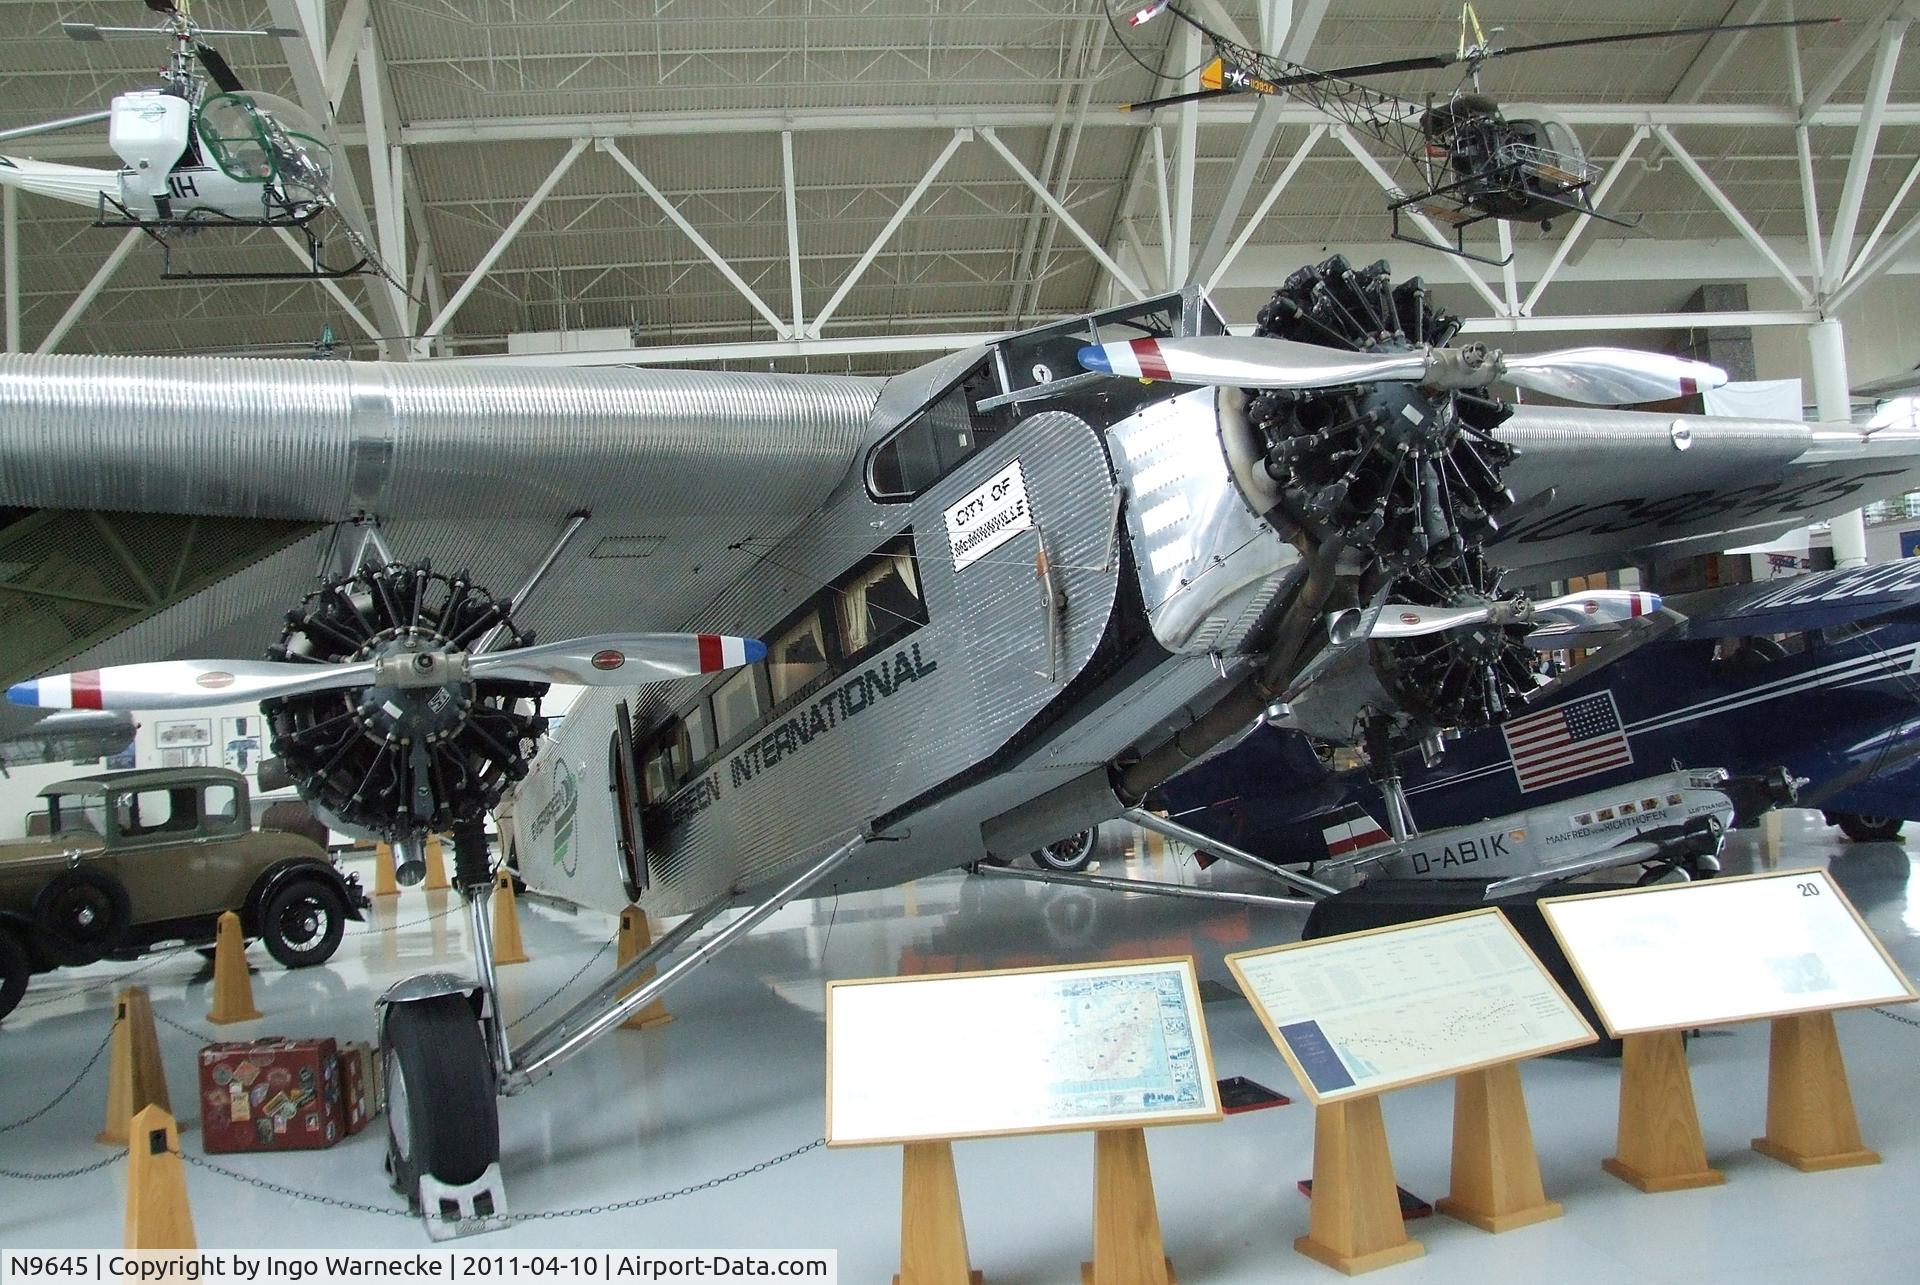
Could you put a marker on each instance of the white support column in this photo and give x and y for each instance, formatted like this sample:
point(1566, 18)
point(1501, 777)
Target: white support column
point(1866, 140)
point(1509, 275)
point(1372, 166)
point(852, 278)
point(305, 66)
point(1596, 198)
point(1062, 213)
point(384, 170)
point(692, 234)
point(1254, 146)
point(1803, 148)
point(1873, 267)
point(342, 53)
point(1266, 205)
point(1886, 218)
point(1166, 206)
point(487, 260)
point(793, 227)
point(1834, 404)
point(1276, 22)
point(91, 291)
point(1185, 160)
point(1733, 214)
point(332, 287)
point(10, 197)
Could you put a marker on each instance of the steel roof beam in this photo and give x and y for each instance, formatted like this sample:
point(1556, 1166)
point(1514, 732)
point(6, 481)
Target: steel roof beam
point(90, 291)
point(1866, 140)
point(879, 243)
point(1372, 166)
point(487, 260)
point(1739, 220)
point(1063, 214)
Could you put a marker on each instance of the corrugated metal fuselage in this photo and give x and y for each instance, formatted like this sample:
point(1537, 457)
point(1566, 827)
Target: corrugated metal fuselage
point(969, 733)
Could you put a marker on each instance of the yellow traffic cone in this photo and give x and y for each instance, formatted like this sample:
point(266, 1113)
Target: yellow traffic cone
point(135, 1076)
point(157, 1213)
point(436, 866)
point(507, 946)
point(384, 884)
point(232, 987)
point(635, 937)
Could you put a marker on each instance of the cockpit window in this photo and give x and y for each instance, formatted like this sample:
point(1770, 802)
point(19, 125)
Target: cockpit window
point(255, 138)
point(933, 443)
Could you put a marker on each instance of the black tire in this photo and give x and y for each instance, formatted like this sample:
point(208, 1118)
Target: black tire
point(15, 969)
point(1070, 855)
point(442, 1117)
point(1869, 829)
point(83, 913)
point(302, 923)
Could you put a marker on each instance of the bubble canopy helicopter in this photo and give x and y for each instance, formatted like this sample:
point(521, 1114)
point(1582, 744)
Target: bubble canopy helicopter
point(1471, 161)
point(199, 151)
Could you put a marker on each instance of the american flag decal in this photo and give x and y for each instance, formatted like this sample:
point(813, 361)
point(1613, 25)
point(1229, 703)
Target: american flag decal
point(1567, 742)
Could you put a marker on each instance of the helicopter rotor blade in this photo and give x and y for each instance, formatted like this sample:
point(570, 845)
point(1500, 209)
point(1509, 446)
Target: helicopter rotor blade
point(1610, 376)
point(1581, 42)
point(217, 68)
point(1196, 96)
point(1427, 62)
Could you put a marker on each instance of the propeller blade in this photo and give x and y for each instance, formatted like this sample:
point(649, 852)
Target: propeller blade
point(1147, 12)
point(1631, 638)
point(1610, 376)
point(217, 67)
point(1575, 615)
point(184, 684)
point(620, 660)
point(1247, 362)
point(1557, 619)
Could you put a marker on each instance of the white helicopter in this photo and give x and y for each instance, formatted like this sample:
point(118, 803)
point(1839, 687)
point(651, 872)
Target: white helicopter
point(195, 156)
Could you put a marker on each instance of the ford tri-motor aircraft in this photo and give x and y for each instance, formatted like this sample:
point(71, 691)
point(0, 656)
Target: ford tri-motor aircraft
point(1001, 596)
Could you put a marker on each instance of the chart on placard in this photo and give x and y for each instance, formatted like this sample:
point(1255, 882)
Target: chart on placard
point(1018, 1052)
point(1373, 1011)
point(1723, 950)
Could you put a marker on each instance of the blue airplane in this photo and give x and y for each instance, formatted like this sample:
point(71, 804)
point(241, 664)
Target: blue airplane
point(1813, 679)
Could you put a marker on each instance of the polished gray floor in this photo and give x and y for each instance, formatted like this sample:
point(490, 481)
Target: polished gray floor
point(738, 1077)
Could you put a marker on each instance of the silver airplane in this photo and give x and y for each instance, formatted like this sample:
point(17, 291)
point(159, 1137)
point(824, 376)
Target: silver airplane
point(1000, 595)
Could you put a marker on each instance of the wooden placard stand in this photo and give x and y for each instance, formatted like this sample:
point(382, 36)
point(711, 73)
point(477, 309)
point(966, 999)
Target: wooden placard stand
point(1658, 1146)
point(1127, 1249)
point(933, 1239)
point(1355, 1225)
point(1496, 1174)
point(1810, 1120)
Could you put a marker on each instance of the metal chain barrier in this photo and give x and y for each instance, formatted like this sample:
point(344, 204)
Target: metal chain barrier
point(61, 1096)
point(56, 1175)
point(1901, 1018)
point(202, 1036)
point(577, 975)
point(387, 1211)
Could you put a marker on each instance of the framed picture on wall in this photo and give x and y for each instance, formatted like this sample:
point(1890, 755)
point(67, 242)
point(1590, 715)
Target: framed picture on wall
point(182, 733)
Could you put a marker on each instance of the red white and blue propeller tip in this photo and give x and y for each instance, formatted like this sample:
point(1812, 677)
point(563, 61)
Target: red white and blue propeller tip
point(1147, 13)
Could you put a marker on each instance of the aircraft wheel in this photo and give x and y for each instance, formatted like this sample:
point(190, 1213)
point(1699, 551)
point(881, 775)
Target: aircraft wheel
point(442, 1117)
point(1070, 855)
point(84, 913)
point(15, 969)
point(1869, 829)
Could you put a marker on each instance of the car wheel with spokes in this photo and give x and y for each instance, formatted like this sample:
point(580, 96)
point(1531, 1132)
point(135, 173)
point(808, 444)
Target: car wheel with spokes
point(303, 922)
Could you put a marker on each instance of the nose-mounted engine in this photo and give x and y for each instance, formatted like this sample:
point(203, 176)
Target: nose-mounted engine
point(418, 749)
point(1405, 475)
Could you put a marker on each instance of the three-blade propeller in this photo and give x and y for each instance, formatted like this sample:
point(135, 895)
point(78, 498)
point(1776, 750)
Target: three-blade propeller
point(1600, 376)
point(1555, 621)
point(596, 661)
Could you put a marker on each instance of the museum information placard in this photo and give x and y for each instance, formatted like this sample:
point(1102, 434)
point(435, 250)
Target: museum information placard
point(1377, 1010)
point(1723, 950)
point(1028, 1050)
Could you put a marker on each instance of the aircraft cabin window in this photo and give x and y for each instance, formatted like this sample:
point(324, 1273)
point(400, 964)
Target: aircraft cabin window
point(797, 657)
point(881, 600)
point(933, 443)
point(736, 705)
point(661, 774)
point(700, 742)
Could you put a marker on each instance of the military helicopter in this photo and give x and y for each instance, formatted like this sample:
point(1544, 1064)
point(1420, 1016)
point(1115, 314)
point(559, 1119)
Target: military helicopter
point(1474, 162)
point(196, 156)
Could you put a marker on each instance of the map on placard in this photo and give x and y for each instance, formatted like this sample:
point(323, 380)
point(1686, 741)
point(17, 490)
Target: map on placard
point(942, 1057)
point(1723, 950)
point(1374, 1011)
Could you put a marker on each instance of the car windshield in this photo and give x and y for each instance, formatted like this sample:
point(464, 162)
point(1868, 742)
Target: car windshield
point(77, 813)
